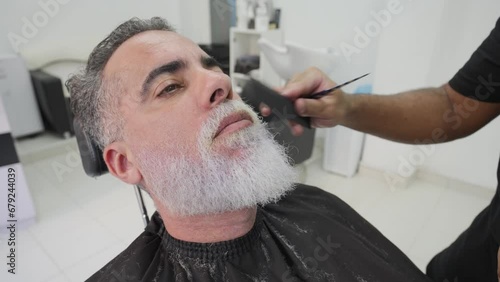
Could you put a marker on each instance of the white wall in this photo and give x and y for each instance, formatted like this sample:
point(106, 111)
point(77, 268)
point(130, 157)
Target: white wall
point(327, 23)
point(205, 21)
point(423, 45)
point(84, 23)
point(425, 48)
point(195, 20)
point(76, 22)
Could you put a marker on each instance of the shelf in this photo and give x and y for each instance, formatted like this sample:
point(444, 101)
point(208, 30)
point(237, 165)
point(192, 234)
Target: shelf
point(244, 42)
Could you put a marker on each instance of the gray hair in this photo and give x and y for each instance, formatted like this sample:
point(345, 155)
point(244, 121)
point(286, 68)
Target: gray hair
point(92, 102)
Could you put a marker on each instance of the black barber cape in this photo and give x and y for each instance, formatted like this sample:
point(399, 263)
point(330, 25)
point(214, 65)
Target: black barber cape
point(309, 235)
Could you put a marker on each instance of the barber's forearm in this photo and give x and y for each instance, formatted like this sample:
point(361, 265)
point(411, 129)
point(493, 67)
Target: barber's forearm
point(418, 116)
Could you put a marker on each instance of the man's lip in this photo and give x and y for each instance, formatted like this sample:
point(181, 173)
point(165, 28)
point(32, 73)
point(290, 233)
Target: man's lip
point(233, 118)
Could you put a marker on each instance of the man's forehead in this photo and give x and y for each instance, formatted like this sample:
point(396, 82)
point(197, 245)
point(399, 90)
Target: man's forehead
point(154, 39)
point(146, 48)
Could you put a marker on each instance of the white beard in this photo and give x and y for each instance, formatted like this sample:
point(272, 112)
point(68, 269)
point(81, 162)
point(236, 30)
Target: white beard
point(260, 173)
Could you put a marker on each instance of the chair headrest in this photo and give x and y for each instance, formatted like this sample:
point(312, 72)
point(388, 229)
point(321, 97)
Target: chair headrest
point(92, 160)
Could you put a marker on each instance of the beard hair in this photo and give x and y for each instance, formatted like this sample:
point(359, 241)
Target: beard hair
point(211, 182)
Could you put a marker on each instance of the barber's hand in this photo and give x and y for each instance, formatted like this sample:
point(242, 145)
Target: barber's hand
point(325, 112)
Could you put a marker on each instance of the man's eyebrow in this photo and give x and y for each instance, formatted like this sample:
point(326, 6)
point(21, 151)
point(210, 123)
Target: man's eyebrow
point(169, 68)
point(209, 62)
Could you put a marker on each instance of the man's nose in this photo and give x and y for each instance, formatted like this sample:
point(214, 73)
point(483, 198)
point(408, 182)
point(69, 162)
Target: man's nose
point(217, 89)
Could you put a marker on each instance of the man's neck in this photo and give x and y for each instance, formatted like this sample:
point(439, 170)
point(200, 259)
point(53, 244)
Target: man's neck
point(210, 228)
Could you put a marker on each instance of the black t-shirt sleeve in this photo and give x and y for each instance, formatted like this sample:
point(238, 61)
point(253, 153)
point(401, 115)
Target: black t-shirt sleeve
point(479, 78)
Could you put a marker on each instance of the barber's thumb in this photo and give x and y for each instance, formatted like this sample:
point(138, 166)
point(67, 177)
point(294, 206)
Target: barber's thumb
point(291, 91)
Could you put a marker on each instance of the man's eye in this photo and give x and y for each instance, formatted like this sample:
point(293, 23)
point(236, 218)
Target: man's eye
point(169, 89)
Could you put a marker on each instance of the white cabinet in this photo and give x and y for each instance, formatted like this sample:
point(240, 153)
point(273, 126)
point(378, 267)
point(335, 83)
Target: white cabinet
point(342, 151)
point(244, 42)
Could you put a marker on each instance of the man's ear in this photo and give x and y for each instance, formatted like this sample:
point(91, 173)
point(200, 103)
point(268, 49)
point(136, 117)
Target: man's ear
point(121, 164)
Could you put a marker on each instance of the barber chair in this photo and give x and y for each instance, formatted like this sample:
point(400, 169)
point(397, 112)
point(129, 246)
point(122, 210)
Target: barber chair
point(94, 165)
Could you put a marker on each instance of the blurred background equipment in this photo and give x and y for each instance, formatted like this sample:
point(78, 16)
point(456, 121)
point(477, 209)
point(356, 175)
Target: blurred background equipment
point(18, 96)
point(55, 107)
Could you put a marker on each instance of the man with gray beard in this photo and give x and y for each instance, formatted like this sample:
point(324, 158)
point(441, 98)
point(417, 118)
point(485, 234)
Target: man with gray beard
point(228, 209)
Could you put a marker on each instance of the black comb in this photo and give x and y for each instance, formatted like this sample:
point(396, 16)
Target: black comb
point(254, 93)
